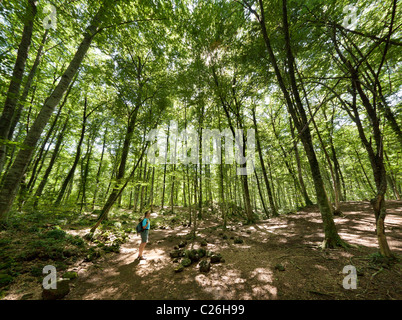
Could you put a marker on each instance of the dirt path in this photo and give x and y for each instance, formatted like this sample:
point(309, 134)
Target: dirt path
point(251, 269)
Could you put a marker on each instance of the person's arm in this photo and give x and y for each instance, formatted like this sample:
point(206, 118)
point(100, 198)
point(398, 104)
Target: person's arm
point(146, 224)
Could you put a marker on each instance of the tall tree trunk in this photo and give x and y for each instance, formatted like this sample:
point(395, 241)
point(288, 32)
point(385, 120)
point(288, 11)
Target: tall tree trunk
point(16, 79)
point(296, 110)
point(122, 168)
point(27, 86)
point(16, 172)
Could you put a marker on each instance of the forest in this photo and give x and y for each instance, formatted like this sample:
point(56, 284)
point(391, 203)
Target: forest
point(261, 138)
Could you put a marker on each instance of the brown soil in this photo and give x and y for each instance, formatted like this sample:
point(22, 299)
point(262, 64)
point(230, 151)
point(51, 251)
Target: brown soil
point(250, 270)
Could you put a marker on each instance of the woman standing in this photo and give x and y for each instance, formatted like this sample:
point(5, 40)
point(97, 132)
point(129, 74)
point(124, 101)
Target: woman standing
point(144, 234)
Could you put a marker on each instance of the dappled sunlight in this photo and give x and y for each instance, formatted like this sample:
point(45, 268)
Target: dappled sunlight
point(251, 270)
point(264, 289)
point(359, 240)
point(220, 286)
point(320, 267)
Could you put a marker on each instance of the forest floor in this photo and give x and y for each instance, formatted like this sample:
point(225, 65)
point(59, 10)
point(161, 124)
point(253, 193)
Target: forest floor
point(280, 258)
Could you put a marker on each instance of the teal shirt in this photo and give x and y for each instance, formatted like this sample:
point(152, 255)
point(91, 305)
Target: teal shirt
point(144, 223)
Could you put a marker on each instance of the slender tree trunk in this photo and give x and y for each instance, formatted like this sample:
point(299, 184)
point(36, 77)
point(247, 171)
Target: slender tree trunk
point(99, 170)
point(144, 180)
point(264, 172)
point(200, 169)
point(164, 170)
point(70, 175)
point(172, 190)
point(151, 196)
point(86, 170)
point(49, 168)
point(42, 149)
point(261, 195)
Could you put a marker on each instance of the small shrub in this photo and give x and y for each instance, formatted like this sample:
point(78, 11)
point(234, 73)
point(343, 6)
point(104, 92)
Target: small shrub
point(5, 279)
point(56, 234)
point(36, 271)
point(76, 240)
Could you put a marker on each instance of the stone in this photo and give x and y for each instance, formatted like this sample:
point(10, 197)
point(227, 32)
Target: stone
point(216, 258)
point(176, 253)
point(62, 289)
point(202, 252)
point(193, 255)
point(279, 267)
point(205, 266)
point(195, 258)
point(186, 262)
point(182, 244)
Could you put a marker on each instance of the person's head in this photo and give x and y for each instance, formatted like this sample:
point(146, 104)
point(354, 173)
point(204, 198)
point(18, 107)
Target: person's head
point(147, 214)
